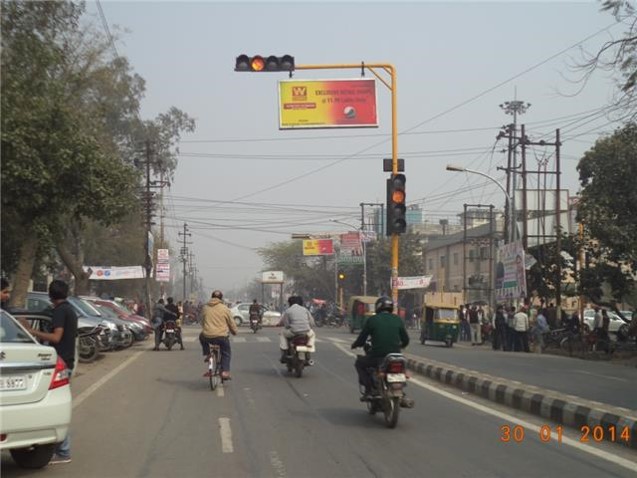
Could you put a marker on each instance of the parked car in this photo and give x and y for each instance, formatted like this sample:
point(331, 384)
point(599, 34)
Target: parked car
point(119, 335)
point(615, 321)
point(241, 314)
point(35, 396)
point(122, 312)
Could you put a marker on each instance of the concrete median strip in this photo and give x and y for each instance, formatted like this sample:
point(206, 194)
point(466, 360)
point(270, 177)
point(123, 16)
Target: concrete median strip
point(569, 410)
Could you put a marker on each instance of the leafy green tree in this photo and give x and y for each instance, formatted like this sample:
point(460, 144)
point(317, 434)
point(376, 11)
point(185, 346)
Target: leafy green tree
point(71, 137)
point(607, 209)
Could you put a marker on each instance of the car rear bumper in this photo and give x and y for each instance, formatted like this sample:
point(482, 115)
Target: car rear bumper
point(38, 423)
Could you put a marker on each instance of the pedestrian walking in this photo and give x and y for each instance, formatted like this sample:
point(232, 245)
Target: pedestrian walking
point(500, 329)
point(521, 327)
point(476, 326)
point(539, 329)
point(510, 343)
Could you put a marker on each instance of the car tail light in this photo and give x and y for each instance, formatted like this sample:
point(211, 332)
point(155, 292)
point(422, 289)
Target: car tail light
point(61, 375)
point(395, 367)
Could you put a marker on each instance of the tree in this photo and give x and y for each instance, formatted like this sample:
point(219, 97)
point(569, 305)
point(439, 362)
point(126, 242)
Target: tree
point(607, 209)
point(71, 136)
point(619, 54)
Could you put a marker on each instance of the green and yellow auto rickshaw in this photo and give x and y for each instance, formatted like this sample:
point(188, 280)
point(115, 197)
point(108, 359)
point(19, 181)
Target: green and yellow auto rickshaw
point(359, 309)
point(439, 323)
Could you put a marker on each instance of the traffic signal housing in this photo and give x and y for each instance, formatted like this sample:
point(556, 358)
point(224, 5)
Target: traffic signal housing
point(259, 63)
point(396, 206)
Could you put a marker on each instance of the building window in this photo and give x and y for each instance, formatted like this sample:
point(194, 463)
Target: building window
point(484, 254)
point(471, 255)
point(455, 258)
point(442, 262)
point(431, 265)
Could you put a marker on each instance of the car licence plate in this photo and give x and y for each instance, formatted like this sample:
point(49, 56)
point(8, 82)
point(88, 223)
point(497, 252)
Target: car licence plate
point(170, 331)
point(13, 383)
point(396, 377)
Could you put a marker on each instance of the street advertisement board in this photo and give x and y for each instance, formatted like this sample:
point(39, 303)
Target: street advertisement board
point(272, 277)
point(318, 247)
point(114, 273)
point(351, 249)
point(405, 283)
point(510, 272)
point(162, 269)
point(328, 104)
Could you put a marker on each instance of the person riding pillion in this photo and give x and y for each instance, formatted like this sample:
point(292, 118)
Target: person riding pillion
point(296, 320)
point(216, 325)
point(388, 335)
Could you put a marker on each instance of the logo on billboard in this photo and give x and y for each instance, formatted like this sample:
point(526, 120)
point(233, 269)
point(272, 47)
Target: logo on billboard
point(299, 93)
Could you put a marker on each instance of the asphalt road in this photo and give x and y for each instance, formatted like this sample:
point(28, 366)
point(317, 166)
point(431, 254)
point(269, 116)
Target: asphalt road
point(601, 381)
point(139, 413)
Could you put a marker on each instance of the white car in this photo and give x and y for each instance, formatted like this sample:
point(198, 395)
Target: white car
point(615, 321)
point(35, 396)
point(241, 314)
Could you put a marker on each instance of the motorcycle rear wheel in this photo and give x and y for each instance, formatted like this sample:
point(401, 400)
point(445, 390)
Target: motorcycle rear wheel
point(391, 411)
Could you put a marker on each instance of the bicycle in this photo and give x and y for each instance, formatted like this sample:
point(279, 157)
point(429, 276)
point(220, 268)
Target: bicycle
point(214, 367)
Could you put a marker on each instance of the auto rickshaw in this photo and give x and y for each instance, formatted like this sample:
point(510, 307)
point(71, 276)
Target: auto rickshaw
point(359, 309)
point(439, 323)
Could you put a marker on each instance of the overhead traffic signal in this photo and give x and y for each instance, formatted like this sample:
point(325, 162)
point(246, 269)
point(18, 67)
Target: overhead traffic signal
point(396, 206)
point(341, 277)
point(258, 63)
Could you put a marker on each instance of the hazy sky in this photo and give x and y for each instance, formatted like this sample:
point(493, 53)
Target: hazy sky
point(456, 62)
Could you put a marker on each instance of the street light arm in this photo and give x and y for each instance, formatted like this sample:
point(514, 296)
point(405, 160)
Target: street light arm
point(451, 167)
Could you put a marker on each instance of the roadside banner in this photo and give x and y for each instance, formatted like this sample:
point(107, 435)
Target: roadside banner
point(115, 273)
point(417, 282)
point(327, 104)
point(318, 247)
point(162, 269)
point(351, 249)
point(510, 272)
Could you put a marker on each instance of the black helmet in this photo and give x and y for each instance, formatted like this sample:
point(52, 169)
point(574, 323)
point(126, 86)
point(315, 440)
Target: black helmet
point(384, 304)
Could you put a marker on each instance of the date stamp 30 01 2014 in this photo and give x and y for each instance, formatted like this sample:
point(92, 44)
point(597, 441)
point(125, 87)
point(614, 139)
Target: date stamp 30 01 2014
point(546, 433)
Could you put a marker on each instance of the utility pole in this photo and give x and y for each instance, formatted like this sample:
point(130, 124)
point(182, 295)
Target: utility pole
point(148, 222)
point(514, 108)
point(184, 254)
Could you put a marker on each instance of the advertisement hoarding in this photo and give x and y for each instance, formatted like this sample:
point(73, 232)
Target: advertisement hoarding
point(351, 249)
point(318, 247)
point(272, 277)
point(327, 104)
point(510, 272)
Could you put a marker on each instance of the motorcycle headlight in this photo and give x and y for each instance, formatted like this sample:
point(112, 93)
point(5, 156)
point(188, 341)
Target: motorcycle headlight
point(109, 325)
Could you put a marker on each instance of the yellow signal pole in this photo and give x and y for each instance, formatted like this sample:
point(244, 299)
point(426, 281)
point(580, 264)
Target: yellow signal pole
point(391, 71)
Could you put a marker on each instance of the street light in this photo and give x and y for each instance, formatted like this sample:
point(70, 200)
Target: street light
point(364, 252)
point(460, 169)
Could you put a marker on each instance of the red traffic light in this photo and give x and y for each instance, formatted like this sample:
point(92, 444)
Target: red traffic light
point(258, 63)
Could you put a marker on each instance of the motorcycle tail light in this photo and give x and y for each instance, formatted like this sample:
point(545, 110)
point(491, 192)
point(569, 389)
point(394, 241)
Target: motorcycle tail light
point(396, 367)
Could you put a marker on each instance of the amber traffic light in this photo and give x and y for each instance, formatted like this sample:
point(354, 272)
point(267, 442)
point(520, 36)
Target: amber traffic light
point(396, 206)
point(259, 63)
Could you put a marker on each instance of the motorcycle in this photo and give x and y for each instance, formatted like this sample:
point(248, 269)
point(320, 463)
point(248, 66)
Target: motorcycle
point(389, 380)
point(88, 343)
point(170, 333)
point(254, 323)
point(298, 355)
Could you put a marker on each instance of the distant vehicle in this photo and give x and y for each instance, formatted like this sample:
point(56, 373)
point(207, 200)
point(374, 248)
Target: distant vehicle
point(35, 396)
point(241, 315)
point(615, 321)
point(628, 314)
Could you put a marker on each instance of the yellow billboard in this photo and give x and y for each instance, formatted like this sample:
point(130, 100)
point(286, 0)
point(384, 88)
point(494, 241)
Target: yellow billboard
point(327, 104)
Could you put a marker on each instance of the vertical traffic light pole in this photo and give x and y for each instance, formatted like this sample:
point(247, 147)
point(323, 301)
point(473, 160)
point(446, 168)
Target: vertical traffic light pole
point(391, 85)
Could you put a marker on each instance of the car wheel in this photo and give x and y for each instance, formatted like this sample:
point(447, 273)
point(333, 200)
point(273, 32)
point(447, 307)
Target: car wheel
point(238, 321)
point(33, 457)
